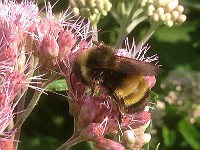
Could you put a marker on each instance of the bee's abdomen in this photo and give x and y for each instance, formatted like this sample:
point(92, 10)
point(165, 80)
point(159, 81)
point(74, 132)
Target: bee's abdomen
point(132, 91)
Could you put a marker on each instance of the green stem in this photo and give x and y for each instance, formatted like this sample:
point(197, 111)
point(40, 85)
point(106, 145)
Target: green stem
point(20, 108)
point(146, 37)
point(148, 130)
point(121, 36)
point(126, 30)
point(135, 22)
point(95, 28)
point(29, 109)
point(94, 25)
point(125, 25)
point(133, 11)
point(71, 142)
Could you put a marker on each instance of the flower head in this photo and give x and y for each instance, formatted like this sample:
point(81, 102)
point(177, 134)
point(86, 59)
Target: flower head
point(165, 12)
point(91, 9)
point(56, 38)
point(98, 116)
point(15, 22)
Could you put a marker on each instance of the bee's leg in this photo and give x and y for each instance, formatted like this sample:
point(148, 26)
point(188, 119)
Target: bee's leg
point(119, 103)
point(95, 87)
point(120, 117)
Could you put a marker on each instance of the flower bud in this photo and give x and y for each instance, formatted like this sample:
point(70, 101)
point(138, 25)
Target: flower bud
point(142, 4)
point(181, 19)
point(159, 2)
point(171, 5)
point(107, 6)
point(81, 3)
point(169, 23)
point(150, 1)
point(155, 17)
point(143, 139)
point(128, 139)
point(76, 11)
point(66, 41)
point(164, 12)
point(107, 144)
point(151, 8)
point(167, 16)
point(93, 17)
point(175, 15)
point(150, 13)
point(96, 11)
point(180, 9)
point(100, 4)
point(104, 13)
point(160, 11)
point(92, 8)
point(91, 3)
point(85, 12)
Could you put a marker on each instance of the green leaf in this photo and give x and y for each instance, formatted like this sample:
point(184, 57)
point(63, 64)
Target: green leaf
point(169, 136)
point(154, 97)
point(177, 34)
point(58, 85)
point(190, 134)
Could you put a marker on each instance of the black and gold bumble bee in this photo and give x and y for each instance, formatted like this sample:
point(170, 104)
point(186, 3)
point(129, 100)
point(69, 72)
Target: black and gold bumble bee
point(122, 77)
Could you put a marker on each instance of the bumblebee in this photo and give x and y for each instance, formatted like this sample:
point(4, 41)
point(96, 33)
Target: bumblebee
point(122, 77)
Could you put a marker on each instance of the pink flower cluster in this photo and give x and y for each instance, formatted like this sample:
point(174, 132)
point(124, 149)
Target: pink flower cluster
point(48, 46)
point(30, 43)
point(97, 117)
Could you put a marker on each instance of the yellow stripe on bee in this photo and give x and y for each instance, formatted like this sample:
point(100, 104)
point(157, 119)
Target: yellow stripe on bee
point(128, 86)
point(138, 94)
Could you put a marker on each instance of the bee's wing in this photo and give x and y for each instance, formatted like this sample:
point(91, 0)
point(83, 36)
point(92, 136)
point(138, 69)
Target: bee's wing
point(131, 66)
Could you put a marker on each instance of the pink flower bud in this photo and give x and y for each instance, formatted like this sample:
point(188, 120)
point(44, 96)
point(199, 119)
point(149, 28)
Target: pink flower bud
point(181, 19)
point(151, 80)
point(48, 53)
point(66, 41)
point(92, 132)
point(107, 144)
point(6, 144)
point(142, 139)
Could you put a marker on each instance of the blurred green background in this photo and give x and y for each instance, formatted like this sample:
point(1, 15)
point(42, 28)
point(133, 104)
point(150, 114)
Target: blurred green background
point(178, 89)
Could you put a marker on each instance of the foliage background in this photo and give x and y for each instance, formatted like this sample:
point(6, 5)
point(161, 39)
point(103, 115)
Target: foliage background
point(50, 124)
